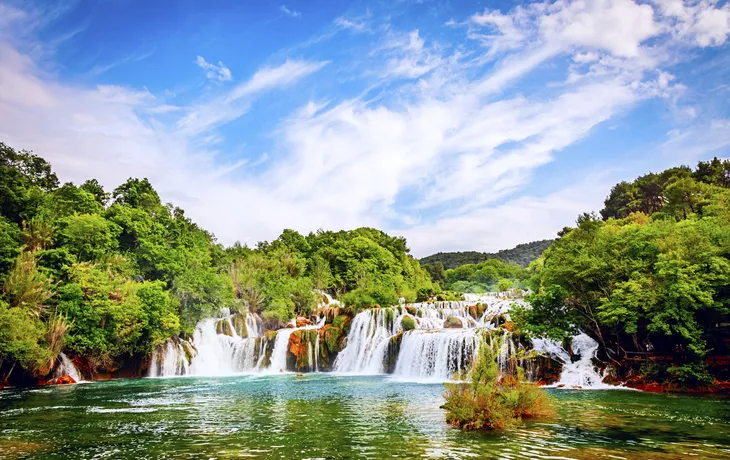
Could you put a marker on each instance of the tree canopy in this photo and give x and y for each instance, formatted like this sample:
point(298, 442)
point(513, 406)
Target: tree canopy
point(108, 276)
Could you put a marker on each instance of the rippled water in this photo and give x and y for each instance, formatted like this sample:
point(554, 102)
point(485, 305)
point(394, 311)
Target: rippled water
point(324, 416)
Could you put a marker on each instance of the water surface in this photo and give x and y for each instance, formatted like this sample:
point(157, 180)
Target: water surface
point(325, 416)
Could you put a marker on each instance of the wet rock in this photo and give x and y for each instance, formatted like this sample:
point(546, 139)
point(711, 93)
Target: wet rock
point(452, 322)
point(302, 321)
point(343, 322)
point(65, 380)
point(239, 324)
point(223, 327)
point(391, 353)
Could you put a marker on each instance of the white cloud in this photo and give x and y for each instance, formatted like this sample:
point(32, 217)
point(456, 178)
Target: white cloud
point(291, 12)
point(413, 59)
point(698, 21)
point(214, 72)
point(443, 158)
point(231, 105)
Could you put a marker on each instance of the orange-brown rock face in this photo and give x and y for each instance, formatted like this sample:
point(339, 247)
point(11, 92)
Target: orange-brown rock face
point(302, 321)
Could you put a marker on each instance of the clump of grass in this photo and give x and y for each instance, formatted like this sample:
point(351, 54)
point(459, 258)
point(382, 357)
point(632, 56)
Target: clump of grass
point(491, 401)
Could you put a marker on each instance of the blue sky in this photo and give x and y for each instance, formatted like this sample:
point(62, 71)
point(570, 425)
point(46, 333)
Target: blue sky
point(460, 125)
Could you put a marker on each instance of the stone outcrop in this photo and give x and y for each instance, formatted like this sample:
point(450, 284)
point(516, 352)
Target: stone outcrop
point(452, 322)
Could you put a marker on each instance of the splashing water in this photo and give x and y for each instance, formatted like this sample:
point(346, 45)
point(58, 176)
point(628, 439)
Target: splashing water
point(66, 367)
point(436, 355)
point(581, 373)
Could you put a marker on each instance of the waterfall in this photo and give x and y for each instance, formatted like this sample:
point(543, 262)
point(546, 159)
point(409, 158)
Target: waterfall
point(281, 345)
point(316, 354)
point(434, 351)
point(368, 339)
point(436, 355)
point(66, 367)
point(581, 373)
point(210, 353)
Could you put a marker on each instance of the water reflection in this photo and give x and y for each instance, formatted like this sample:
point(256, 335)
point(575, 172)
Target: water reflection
point(324, 416)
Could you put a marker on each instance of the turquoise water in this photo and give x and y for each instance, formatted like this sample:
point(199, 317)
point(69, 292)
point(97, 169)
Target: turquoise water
point(324, 416)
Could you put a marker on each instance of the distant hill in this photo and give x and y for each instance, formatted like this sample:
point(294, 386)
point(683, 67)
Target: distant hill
point(522, 255)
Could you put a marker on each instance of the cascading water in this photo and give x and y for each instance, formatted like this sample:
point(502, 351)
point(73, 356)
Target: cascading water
point(278, 356)
point(576, 374)
point(431, 352)
point(66, 367)
point(368, 339)
point(218, 347)
point(436, 355)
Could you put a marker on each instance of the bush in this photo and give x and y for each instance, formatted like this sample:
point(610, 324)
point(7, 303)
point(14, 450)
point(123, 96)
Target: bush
point(489, 402)
point(362, 298)
point(272, 320)
point(408, 323)
point(690, 375)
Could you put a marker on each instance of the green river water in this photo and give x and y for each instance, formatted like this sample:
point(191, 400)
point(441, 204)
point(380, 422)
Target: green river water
point(325, 416)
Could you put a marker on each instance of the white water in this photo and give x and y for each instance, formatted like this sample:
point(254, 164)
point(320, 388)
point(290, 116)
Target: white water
point(581, 373)
point(428, 353)
point(368, 340)
point(66, 367)
point(278, 356)
point(212, 353)
point(436, 355)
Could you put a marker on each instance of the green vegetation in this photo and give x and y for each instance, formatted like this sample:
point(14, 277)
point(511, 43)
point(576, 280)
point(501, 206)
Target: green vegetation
point(490, 275)
point(652, 277)
point(408, 323)
point(108, 276)
point(492, 401)
point(522, 255)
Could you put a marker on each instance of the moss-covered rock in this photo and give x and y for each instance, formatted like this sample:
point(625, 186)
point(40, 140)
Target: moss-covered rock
point(265, 346)
point(391, 353)
point(411, 310)
point(452, 322)
point(239, 324)
point(342, 322)
point(408, 323)
point(223, 327)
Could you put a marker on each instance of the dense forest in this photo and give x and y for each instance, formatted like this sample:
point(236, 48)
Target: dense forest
point(491, 275)
point(522, 255)
point(107, 276)
point(650, 278)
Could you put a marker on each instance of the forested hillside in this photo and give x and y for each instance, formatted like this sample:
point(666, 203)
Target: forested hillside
point(107, 276)
point(650, 279)
point(522, 255)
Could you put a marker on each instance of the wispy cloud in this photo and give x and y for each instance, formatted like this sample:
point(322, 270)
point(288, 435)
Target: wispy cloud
point(135, 57)
point(214, 72)
point(234, 103)
point(291, 12)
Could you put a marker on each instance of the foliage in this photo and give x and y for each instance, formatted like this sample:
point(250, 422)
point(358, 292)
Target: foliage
point(485, 276)
point(653, 276)
point(491, 401)
point(408, 323)
point(522, 255)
